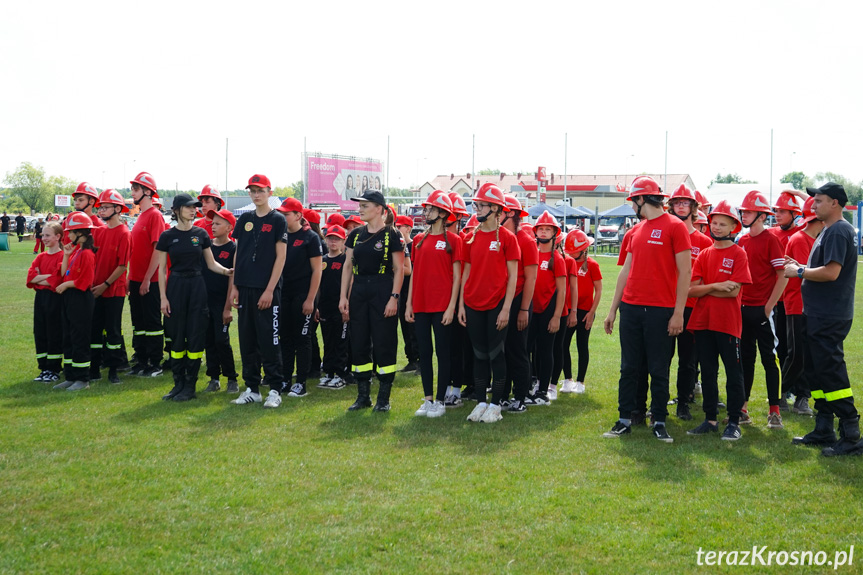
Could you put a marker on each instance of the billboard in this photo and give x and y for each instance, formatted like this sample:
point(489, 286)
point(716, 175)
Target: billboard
point(332, 179)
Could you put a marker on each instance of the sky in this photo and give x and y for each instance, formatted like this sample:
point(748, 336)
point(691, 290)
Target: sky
point(99, 91)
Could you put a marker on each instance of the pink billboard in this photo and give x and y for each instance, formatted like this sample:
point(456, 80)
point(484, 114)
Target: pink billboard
point(337, 179)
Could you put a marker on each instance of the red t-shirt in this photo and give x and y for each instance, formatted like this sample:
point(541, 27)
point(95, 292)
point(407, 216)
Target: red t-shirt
point(766, 257)
point(486, 284)
point(546, 279)
point(97, 223)
point(80, 269)
point(652, 277)
point(114, 246)
point(699, 243)
point(720, 314)
point(783, 236)
point(432, 271)
point(799, 247)
point(586, 277)
point(206, 224)
point(145, 234)
point(529, 256)
point(47, 264)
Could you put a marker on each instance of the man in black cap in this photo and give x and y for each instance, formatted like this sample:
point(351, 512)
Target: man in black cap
point(828, 304)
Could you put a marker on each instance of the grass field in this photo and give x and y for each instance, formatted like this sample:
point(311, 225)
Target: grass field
point(113, 479)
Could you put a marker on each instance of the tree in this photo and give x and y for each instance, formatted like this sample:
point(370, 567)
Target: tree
point(488, 172)
point(28, 183)
point(730, 179)
point(797, 179)
point(852, 190)
point(295, 190)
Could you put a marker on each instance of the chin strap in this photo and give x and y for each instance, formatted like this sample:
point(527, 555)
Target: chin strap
point(481, 219)
point(716, 239)
point(544, 240)
point(432, 222)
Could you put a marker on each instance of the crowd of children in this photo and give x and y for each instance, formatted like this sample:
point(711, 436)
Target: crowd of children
point(492, 308)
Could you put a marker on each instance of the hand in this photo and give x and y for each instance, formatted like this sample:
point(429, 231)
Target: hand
point(790, 270)
point(462, 316)
point(609, 323)
point(522, 320)
point(790, 260)
point(166, 307)
point(448, 316)
point(318, 316)
point(308, 306)
point(768, 311)
point(145, 287)
point(68, 249)
point(554, 325)
point(99, 290)
point(229, 272)
point(675, 324)
point(726, 286)
point(61, 288)
point(502, 319)
point(409, 313)
point(571, 319)
point(392, 308)
point(266, 300)
point(589, 319)
point(344, 307)
point(235, 298)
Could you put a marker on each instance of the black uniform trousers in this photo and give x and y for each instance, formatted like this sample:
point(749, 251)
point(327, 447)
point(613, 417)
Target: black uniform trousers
point(336, 336)
point(461, 354)
point(147, 331)
point(582, 339)
point(825, 366)
point(76, 313)
point(781, 326)
point(793, 368)
point(758, 330)
point(426, 323)
point(258, 331)
point(408, 329)
point(517, 355)
point(562, 357)
point(542, 343)
point(317, 360)
point(687, 360)
point(644, 336)
point(47, 334)
point(489, 361)
point(371, 332)
point(219, 353)
point(187, 324)
point(295, 334)
point(106, 341)
point(711, 346)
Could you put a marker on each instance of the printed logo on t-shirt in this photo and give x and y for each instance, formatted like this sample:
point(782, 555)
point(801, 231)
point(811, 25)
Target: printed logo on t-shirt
point(544, 265)
point(696, 250)
point(440, 245)
point(267, 228)
point(656, 234)
point(492, 247)
point(379, 245)
point(224, 255)
point(337, 265)
point(324, 266)
point(727, 263)
point(196, 241)
point(249, 226)
point(298, 242)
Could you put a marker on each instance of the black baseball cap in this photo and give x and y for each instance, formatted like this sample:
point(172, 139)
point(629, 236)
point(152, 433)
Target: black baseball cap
point(374, 196)
point(183, 200)
point(831, 189)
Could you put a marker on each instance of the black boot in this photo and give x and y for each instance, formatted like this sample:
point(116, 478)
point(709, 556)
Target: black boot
point(822, 435)
point(188, 390)
point(383, 401)
point(363, 401)
point(179, 384)
point(849, 439)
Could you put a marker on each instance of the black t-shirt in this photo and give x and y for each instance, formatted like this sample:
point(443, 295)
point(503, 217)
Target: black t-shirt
point(256, 239)
point(217, 285)
point(832, 300)
point(303, 245)
point(331, 285)
point(373, 253)
point(4, 223)
point(184, 248)
point(20, 222)
point(406, 284)
point(37, 230)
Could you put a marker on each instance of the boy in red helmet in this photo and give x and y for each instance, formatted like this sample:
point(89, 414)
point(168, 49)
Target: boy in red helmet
point(211, 201)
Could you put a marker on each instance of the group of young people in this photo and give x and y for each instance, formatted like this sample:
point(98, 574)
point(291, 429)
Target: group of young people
point(490, 309)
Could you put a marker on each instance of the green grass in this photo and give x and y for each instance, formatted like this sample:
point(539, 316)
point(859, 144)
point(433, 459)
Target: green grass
point(115, 480)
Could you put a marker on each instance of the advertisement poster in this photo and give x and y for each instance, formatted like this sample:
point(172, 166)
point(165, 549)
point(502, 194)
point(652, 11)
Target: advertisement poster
point(337, 179)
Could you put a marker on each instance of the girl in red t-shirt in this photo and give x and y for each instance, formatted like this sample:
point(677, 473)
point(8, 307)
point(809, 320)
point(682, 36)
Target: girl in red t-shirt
point(487, 290)
point(432, 297)
point(46, 305)
point(461, 354)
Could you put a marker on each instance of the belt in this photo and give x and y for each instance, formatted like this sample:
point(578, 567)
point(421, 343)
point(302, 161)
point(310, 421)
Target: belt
point(185, 274)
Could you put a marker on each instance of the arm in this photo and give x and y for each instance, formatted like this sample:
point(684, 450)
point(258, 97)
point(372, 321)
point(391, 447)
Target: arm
point(512, 278)
point(462, 316)
point(151, 269)
point(826, 273)
point(398, 277)
point(778, 288)
point(453, 298)
point(163, 281)
point(314, 285)
point(684, 273)
point(618, 294)
point(266, 299)
point(721, 289)
point(526, 295)
point(591, 314)
point(572, 318)
point(347, 273)
point(408, 266)
point(409, 303)
point(560, 290)
point(115, 275)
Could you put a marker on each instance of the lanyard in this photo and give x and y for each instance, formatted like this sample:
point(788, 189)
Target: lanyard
point(72, 261)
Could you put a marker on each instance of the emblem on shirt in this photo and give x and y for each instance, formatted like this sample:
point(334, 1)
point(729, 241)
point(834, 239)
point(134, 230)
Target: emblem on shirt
point(249, 226)
point(324, 266)
point(224, 255)
point(196, 241)
point(337, 265)
point(440, 245)
point(544, 265)
point(266, 228)
point(656, 234)
point(727, 263)
point(379, 245)
point(492, 246)
point(696, 250)
point(298, 243)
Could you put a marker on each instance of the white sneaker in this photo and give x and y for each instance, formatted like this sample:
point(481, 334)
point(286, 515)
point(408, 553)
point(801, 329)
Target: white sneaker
point(492, 414)
point(552, 392)
point(325, 380)
point(423, 411)
point(248, 396)
point(477, 412)
point(274, 399)
point(436, 409)
point(567, 386)
point(697, 390)
point(578, 388)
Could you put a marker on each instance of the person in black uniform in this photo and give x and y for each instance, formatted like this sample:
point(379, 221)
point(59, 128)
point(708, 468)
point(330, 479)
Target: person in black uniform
point(334, 328)
point(256, 292)
point(370, 293)
point(301, 278)
point(20, 225)
point(185, 311)
point(4, 223)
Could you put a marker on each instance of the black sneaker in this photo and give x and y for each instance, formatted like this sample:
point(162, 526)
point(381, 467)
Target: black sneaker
point(298, 390)
point(213, 386)
point(517, 406)
point(683, 412)
point(152, 371)
point(411, 366)
point(705, 428)
point(538, 399)
point(166, 366)
point(137, 369)
point(233, 386)
point(660, 433)
point(95, 375)
point(618, 430)
point(783, 404)
point(504, 405)
point(113, 377)
point(673, 401)
point(732, 432)
point(381, 407)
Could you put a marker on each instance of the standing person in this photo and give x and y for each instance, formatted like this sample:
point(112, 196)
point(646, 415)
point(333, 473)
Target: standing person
point(766, 260)
point(211, 202)
point(701, 222)
point(47, 334)
point(4, 223)
point(548, 304)
point(313, 221)
point(490, 273)
point(589, 278)
point(185, 311)
point(109, 287)
point(405, 226)
point(829, 279)
point(432, 297)
point(684, 206)
point(85, 199)
point(369, 298)
point(219, 353)
point(719, 273)
point(37, 233)
point(461, 352)
point(144, 305)
point(651, 295)
point(521, 311)
point(20, 226)
point(352, 223)
point(256, 291)
point(334, 327)
point(793, 368)
point(301, 278)
point(76, 307)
